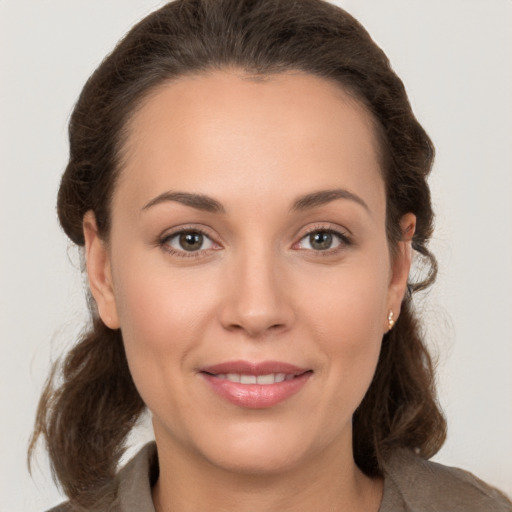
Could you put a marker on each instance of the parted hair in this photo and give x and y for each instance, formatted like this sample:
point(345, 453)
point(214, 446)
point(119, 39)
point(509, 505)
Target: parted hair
point(90, 403)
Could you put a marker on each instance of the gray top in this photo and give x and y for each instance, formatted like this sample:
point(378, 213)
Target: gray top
point(411, 484)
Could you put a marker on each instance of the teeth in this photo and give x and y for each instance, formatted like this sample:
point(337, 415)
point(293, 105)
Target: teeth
point(265, 379)
point(270, 378)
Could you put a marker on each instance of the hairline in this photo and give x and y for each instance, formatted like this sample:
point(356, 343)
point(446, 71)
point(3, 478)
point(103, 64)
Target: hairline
point(348, 92)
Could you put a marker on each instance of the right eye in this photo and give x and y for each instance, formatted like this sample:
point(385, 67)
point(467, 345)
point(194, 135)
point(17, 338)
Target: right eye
point(187, 241)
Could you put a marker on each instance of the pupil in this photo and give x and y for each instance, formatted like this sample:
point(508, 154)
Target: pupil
point(191, 241)
point(321, 240)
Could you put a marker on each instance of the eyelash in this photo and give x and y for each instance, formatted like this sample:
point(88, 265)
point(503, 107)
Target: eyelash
point(164, 243)
point(343, 239)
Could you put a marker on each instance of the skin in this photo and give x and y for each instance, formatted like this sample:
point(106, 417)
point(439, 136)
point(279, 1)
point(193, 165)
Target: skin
point(257, 290)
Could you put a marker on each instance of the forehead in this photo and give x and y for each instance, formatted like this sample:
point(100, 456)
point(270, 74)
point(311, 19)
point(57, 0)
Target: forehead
point(226, 132)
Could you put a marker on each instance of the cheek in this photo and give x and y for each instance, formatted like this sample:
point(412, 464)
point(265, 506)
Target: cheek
point(163, 315)
point(346, 320)
point(349, 302)
point(158, 302)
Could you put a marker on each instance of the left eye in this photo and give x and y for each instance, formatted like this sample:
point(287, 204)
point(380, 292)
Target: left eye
point(189, 241)
point(321, 240)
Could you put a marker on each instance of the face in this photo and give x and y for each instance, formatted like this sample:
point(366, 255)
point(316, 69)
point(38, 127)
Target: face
point(248, 266)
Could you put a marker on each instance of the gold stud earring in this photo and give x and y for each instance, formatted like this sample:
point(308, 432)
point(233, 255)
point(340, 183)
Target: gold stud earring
point(391, 321)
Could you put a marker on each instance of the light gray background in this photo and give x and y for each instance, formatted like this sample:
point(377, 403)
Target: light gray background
point(455, 58)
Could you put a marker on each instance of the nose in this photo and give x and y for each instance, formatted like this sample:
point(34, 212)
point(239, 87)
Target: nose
point(257, 299)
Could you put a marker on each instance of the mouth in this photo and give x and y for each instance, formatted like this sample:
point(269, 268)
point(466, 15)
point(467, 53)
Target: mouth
point(255, 385)
point(264, 380)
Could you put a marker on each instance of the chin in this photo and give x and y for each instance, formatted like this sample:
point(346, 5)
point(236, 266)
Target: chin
point(256, 462)
point(268, 450)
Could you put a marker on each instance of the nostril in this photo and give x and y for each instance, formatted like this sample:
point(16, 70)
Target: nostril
point(255, 314)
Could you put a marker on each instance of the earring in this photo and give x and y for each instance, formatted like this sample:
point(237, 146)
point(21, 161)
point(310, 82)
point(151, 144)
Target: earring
point(391, 322)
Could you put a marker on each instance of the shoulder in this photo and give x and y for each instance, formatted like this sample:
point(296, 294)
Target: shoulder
point(63, 507)
point(130, 491)
point(421, 485)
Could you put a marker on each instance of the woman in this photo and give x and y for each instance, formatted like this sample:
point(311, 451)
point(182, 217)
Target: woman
point(248, 182)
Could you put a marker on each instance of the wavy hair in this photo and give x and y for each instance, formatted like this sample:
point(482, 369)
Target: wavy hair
point(90, 403)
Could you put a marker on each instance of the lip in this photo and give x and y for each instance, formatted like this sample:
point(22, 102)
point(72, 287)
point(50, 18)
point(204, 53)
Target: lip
point(256, 396)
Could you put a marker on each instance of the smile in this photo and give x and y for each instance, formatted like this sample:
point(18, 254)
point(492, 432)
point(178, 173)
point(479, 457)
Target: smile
point(255, 385)
point(270, 378)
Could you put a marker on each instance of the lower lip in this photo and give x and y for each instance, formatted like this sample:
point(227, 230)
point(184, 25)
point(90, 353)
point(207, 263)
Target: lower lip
point(256, 396)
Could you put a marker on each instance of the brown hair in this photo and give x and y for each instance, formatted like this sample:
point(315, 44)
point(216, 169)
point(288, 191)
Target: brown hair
point(86, 417)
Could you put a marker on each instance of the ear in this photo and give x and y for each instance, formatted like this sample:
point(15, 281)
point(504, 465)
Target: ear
point(400, 266)
point(99, 272)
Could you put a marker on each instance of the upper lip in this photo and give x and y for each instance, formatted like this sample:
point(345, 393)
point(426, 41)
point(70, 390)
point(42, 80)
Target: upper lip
point(253, 368)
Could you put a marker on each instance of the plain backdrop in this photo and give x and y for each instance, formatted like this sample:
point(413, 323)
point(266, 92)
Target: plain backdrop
point(455, 58)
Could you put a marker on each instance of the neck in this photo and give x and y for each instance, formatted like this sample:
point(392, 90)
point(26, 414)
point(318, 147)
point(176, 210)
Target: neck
point(329, 481)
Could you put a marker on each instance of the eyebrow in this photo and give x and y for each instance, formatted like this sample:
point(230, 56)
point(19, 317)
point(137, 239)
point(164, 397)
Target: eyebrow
point(198, 201)
point(322, 197)
point(208, 204)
